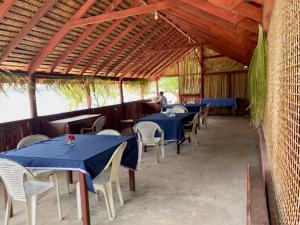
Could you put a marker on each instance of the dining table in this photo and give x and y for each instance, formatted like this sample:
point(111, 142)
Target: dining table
point(88, 155)
point(173, 126)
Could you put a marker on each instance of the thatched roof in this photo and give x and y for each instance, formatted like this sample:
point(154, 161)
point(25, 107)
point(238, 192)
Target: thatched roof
point(101, 38)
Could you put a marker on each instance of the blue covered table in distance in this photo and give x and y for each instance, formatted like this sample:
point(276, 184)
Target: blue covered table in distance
point(173, 126)
point(219, 102)
point(190, 106)
point(89, 155)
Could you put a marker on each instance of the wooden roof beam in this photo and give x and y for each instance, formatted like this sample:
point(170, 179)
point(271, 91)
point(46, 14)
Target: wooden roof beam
point(123, 48)
point(82, 37)
point(156, 58)
point(141, 56)
point(172, 60)
point(48, 48)
point(212, 9)
point(267, 12)
point(135, 49)
point(93, 45)
point(249, 11)
point(5, 7)
point(166, 4)
point(112, 43)
point(169, 22)
point(27, 28)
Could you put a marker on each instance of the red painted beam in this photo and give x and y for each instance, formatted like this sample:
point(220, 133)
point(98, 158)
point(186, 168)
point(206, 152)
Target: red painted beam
point(28, 27)
point(114, 42)
point(5, 7)
point(126, 13)
point(134, 50)
point(82, 37)
point(48, 48)
point(249, 11)
point(93, 45)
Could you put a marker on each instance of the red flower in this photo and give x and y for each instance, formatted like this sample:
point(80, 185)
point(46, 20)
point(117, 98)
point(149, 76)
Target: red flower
point(70, 137)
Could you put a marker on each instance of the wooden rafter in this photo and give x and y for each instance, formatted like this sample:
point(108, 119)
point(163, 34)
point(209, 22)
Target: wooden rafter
point(133, 51)
point(123, 48)
point(5, 7)
point(249, 11)
point(114, 42)
point(27, 28)
point(157, 57)
point(159, 60)
point(93, 45)
point(48, 48)
point(141, 57)
point(166, 4)
point(82, 37)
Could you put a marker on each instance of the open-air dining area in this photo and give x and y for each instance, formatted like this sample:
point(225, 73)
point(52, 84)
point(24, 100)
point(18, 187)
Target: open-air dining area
point(150, 112)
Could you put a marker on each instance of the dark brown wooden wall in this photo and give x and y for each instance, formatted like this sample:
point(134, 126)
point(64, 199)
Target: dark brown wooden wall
point(12, 132)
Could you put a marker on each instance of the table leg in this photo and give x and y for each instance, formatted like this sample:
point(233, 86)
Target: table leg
point(70, 177)
point(178, 147)
point(131, 180)
point(84, 196)
point(5, 200)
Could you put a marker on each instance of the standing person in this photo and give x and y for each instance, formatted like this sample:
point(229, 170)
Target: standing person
point(162, 101)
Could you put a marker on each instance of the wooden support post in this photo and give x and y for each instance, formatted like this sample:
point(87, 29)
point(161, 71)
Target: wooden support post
point(31, 95)
point(121, 91)
point(84, 199)
point(131, 180)
point(157, 87)
point(88, 96)
point(202, 72)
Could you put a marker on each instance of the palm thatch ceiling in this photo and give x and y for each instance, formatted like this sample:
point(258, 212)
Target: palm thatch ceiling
point(122, 38)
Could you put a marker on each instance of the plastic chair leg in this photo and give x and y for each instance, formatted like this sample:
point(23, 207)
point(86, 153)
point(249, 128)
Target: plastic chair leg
point(8, 210)
point(157, 152)
point(79, 213)
point(162, 148)
point(55, 182)
point(31, 210)
point(107, 196)
point(119, 191)
point(67, 182)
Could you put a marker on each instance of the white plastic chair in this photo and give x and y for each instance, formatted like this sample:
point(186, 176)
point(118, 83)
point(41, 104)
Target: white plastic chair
point(146, 137)
point(104, 181)
point(179, 109)
point(21, 185)
point(96, 127)
point(190, 130)
point(39, 173)
point(205, 115)
point(190, 102)
point(109, 132)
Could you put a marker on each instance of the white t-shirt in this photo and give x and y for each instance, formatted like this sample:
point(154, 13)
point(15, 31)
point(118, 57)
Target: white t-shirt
point(163, 101)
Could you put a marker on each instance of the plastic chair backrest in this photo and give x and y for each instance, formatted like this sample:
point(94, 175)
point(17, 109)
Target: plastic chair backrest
point(146, 131)
point(109, 132)
point(13, 175)
point(99, 124)
point(31, 139)
point(190, 102)
point(115, 161)
point(179, 109)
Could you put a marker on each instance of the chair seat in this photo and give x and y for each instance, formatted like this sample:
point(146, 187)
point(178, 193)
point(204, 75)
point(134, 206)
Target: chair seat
point(42, 173)
point(150, 142)
point(33, 188)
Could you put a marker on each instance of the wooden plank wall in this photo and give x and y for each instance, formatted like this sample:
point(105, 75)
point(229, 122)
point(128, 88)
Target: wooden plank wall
point(12, 132)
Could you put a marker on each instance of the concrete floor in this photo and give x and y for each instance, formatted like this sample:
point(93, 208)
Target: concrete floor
point(204, 187)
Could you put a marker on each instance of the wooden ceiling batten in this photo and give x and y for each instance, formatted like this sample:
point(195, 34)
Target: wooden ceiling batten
point(93, 44)
point(166, 4)
point(5, 7)
point(82, 37)
point(38, 60)
point(114, 42)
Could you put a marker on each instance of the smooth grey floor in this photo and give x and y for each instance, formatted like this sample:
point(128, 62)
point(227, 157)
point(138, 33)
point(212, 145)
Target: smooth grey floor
point(202, 187)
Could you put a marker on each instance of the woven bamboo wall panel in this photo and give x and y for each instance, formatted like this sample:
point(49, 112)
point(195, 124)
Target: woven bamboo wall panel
point(282, 113)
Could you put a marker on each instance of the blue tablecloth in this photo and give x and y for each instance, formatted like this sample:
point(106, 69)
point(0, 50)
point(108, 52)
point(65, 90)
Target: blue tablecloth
point(89, 154)
point(173, 127)
point(190, 107)
point(219, 102)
